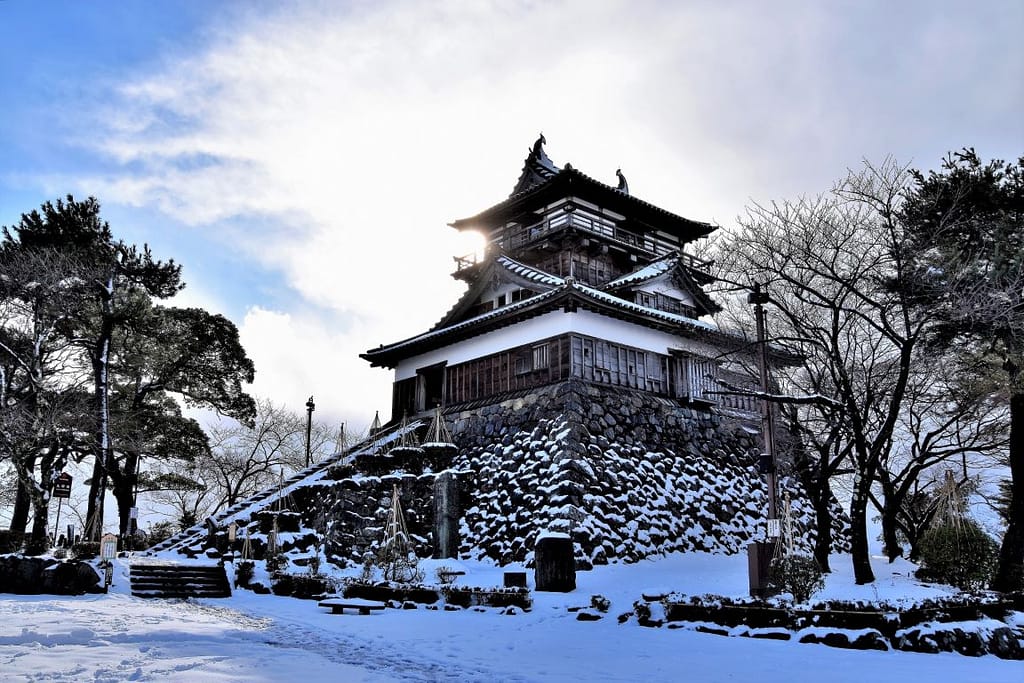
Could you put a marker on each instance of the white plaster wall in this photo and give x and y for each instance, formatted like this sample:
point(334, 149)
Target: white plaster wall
point(630, 334)
point(550, 325)
point(534, 329)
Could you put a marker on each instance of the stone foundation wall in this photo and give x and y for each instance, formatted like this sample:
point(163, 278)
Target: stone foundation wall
point(354, 512)
point(626, 474)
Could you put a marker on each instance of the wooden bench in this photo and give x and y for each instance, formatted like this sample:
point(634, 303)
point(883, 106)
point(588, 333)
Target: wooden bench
point(449, 577)
point(339, 605)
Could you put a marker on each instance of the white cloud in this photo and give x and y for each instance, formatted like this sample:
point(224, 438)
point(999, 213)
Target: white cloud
point(333, 145)
point(300, 355)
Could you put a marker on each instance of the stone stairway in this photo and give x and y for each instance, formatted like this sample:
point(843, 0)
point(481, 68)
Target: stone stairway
point(378, 443)
point(168, 580)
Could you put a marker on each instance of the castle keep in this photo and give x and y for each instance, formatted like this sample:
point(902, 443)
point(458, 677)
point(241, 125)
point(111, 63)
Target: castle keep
point(580, 280)
point(578, 384)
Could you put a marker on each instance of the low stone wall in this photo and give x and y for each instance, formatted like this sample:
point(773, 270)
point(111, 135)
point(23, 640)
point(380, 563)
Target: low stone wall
point(968, 627)
point(35, 576)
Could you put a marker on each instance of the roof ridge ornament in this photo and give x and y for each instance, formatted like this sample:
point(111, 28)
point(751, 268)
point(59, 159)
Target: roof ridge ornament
point(623, 185)
point(537, 168)
point(538, 147)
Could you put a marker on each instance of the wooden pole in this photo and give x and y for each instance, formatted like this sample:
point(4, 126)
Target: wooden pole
point(309, 425)
point(56, 525)
point(759, 298)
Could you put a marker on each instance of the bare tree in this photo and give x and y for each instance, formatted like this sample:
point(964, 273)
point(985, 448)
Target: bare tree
point(244, 460)
point(825, 262)
point(944, 425)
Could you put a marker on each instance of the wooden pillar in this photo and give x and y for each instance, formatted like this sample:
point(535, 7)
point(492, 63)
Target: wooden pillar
point(446, 516)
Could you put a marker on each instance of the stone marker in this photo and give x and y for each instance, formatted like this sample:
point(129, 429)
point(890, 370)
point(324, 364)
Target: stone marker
point(555, 568)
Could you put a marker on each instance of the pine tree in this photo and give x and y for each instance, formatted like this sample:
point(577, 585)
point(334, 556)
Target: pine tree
point(967, 222)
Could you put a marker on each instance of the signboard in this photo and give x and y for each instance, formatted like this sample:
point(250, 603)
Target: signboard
point(108, 547)
point(133, 513)
point(62, 486)
point(774, 528)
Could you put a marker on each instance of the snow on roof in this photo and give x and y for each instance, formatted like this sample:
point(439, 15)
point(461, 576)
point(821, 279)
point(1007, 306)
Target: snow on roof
point(563, 286)
point(529, 273)
point(651, 270)
point(645, 310)
point(470, 322)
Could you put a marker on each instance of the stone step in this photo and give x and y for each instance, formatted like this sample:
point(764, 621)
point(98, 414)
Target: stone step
point(179, 581)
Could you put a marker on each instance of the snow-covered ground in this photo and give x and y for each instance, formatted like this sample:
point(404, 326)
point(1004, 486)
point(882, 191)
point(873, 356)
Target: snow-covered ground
point(116, 637)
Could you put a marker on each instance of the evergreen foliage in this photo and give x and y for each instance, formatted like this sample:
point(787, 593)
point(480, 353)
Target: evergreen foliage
point(796, 574)
point(965, 224)
point(89, 364)
point(960, 554)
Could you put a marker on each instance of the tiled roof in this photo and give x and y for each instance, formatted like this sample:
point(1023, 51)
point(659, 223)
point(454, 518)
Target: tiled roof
point(648, 272)
point(613, 300)
point(567, 287)
point(570, 177)
point(528, 272)
point(465, 324)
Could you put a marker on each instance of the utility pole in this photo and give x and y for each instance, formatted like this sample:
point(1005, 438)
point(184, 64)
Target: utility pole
point(759, 554)
point(766, 464)
point(310, 407)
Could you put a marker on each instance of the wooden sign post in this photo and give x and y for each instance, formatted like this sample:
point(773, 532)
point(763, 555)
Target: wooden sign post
point(61, 490)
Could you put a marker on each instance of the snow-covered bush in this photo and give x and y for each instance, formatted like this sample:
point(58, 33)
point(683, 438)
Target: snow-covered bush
point(276, 562)
point(960, 554)
point(798, 575)
point(243, 573)
point(11, 541)
point(86, 550)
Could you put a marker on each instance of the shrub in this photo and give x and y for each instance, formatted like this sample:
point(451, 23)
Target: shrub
point(303, 586)
point(276, 562)
point(961, 555)
point(244, 572)
point(86, 550)
point(445, 575)
point(36, 546)
point(11, 541)
point(160, 532)
point(798, 575)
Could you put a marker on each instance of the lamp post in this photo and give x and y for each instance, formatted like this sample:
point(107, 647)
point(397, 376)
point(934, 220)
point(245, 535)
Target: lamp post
point(310, 407)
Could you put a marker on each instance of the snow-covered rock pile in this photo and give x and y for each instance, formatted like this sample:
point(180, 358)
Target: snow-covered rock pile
point(627, 475)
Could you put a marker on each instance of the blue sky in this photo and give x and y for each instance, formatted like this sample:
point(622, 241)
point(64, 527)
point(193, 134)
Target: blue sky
point(302, 159)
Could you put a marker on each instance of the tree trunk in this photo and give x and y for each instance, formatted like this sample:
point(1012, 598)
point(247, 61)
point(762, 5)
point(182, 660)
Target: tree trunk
point(891, 540)
point(125, 498)
point(101, 406)
point(124, 492)
point(97, 491)
point(39, 542)
point(890, 513)
point(862, 572)
point(823, 522)
point(22, 505)
point(1010, 570)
